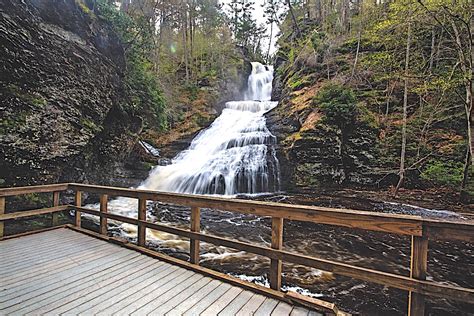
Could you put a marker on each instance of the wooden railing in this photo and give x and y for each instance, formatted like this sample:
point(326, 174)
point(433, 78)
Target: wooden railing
point(421, 231)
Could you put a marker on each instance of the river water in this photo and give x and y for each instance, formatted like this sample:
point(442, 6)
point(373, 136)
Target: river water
point(232, 158)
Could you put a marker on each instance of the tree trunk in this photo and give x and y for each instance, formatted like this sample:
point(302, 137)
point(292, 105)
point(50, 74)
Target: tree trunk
point(466, 63)
point(404, 124)
point(293, 18)
point(432, 54)
point(359, 34)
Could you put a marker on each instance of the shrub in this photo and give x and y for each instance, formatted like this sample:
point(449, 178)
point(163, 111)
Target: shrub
point(338, 104)
point(144, 96)
point(447, 174)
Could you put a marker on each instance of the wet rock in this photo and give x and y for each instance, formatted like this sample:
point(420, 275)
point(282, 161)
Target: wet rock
point(61, 71)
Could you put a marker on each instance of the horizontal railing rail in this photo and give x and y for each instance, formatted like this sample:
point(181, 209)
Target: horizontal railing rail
point(420, 229)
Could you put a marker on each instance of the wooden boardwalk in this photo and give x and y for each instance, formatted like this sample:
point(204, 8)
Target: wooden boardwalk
point(66, 272)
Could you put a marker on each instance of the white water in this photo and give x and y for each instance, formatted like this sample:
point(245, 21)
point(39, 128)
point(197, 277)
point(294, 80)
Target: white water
point(229, 157)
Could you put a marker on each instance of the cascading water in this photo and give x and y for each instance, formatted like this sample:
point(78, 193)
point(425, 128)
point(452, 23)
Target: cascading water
point(231, 156)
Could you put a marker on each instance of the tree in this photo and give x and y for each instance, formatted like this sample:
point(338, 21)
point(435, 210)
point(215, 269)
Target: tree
point(405, 105)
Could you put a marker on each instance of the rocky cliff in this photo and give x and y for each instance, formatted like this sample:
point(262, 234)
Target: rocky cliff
point(314, 149)
point(61, 80)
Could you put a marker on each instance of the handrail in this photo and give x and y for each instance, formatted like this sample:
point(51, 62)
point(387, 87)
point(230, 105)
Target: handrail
point(419, 228)
point(364, 274)
point(389, 223)
point(4, 192)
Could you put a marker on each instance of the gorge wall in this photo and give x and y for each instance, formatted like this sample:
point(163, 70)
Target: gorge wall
point(322, 146)
point(61, 82)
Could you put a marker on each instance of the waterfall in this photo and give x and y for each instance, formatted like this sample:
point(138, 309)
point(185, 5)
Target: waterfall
point(232, 155)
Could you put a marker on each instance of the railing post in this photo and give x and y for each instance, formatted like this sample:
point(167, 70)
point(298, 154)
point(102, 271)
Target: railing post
point(103, 209)
point(418, 266)
point(78, 202)
point(277, 243)
point(142, 217)
point(55, 219)
point(2, 211)
point(195, 227)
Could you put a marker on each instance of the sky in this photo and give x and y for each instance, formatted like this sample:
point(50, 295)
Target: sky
point(258, 15)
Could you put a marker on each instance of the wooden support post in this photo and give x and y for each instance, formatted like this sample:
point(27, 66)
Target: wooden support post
point(195, 227)
point(418, 266)
point(277, 243)
point(103, 209)
point(55, 220)
point(78, 202)
point(141, 216)
point(2, 211)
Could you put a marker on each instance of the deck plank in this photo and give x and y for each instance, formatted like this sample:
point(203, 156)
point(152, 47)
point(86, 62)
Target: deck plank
point(79, 291)
point(267, 307)
point(210, 298)
point(181, 297)
point(299, 311)
point(86, 300)
point(163, 276)
point(147, 308)
point(165, 295)
point(252, 305)
point(222, 302)
point(237, 303)
point(193, 299)
point(81, 272)
point(50, 258)
point(137, 299)
point(32, 278)
point(39, 239)
point(282, 309)
point(65, 271)
point(35, 250)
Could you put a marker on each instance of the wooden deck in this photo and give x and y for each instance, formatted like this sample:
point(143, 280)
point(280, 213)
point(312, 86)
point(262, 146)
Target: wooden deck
point(66, 272)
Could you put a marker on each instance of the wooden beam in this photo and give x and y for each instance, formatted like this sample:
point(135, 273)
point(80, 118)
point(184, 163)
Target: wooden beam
point(2, 212)
point(310, 302)
point(364, 274)
point(78, 202)
point(141, 217)
point(277, 243)
point(55, 218)
point(418, 267)
point(389, 223)
point(195, 227)
point(22, 214)
point(33, 189)
point(103, 209)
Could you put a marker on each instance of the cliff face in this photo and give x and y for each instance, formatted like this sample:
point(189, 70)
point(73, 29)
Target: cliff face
point(60, 86)
point(315, 151)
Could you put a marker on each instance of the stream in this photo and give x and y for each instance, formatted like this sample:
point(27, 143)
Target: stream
point(232, 158)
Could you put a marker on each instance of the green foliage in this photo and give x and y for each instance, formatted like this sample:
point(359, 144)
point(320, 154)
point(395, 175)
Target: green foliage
point(84, 8)
point(90, 125)
point(319, 42)
point(447, 174)
point(144, 96)
point(13, 123)
point(338, 104)
point(33, 99)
